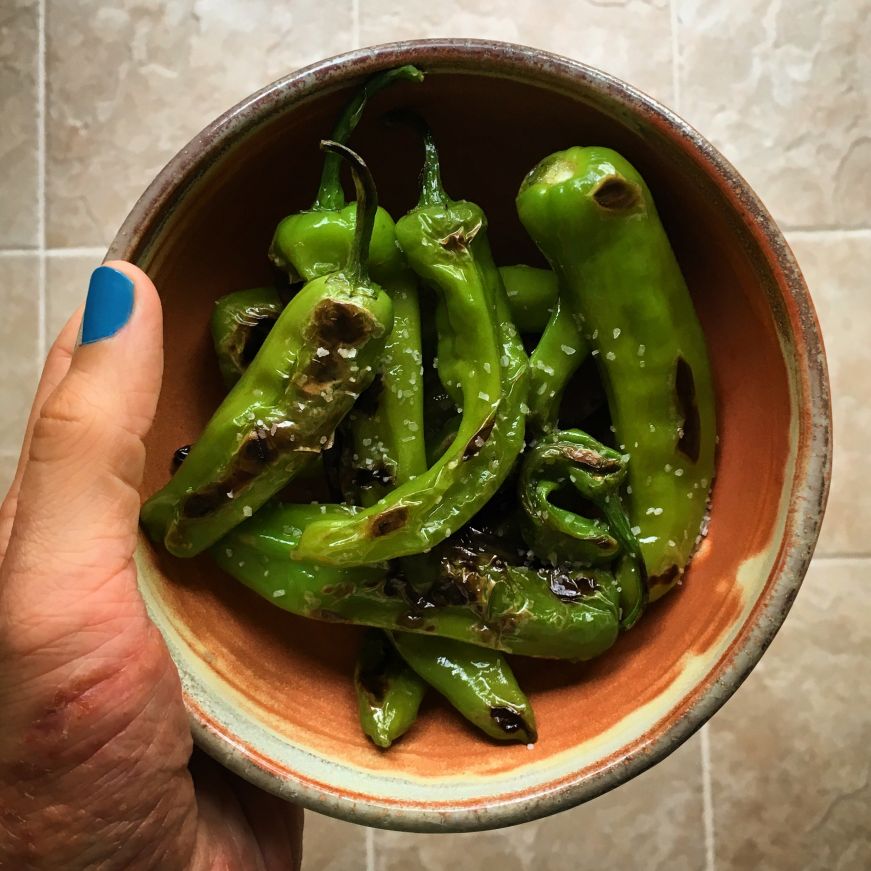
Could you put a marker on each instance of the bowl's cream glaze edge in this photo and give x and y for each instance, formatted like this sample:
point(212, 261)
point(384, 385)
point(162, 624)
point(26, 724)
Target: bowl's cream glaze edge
point(802, 507)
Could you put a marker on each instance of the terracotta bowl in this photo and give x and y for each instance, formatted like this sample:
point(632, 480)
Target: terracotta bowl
point(270, 695)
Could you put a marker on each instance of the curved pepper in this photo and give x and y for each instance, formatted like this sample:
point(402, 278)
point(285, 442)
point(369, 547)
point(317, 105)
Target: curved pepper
point(461, 591)
point(480, 352)
point(317, 241)
point(479, 683)
point(240, 323)
point(317, 359)
point(557, 535)
point(389, 691)
point(593, 217)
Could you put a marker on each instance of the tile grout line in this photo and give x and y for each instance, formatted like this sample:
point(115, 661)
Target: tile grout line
point(40, 185)
point(370, 849)
point(355, 24)
point(708, 800)
point(675, 55)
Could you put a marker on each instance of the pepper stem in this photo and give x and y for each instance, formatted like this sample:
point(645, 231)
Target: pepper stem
point(330, 194)
point(367, 205)
point(432, 191)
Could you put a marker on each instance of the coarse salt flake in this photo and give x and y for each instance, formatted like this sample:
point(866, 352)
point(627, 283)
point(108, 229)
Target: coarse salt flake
point(568, 350)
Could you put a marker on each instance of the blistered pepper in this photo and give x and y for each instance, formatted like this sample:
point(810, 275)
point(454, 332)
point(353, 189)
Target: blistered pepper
point(481, 354)
point(593, 217)
point(314, 242)
point(478, 682)
point(463, 590)
point(240, 323)
point(572, 460)
point(317, 359)
point(389, 691)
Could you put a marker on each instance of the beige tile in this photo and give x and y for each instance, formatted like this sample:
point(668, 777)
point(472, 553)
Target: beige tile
point(628, 38)
point(18, 39)
point(652, 822)
point(130, 83)
point(784, 89)
point(66, 279)
point(836, 269)
point(332, 845)
point(8, 464)
point(18, 345)
point(790, 751)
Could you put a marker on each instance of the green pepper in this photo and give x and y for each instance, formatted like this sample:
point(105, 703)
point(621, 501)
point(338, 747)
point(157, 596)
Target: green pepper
point(532, 294)
point(241, 321)
point(317, 359)
point(481, 354)
point(559, 534)
point(314, 242)
point(462, 590)
point(593, 217)
point(389, 691)
point(478, 682)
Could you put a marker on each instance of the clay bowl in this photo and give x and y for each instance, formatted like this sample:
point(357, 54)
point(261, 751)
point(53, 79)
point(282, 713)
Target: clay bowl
point(270, 695)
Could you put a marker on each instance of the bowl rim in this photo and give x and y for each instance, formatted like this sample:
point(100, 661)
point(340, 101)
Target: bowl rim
point(810, 482)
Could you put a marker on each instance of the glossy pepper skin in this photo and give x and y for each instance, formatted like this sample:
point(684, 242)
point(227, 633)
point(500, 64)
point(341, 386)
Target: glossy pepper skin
point(573, 459)
point(532, 294)
point(480, 353)
point(593, 217)
point(478, 682)
point(389, 691)
point(460, 591)
point(240, 323)
point(312, 243)
point(317, 359)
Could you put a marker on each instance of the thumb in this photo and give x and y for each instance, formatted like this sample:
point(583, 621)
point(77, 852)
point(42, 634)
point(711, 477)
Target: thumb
point(74, 531)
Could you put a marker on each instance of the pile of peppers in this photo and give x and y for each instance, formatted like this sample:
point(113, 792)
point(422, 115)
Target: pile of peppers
point(439, 398)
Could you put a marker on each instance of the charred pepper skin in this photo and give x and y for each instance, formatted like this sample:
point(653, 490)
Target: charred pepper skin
point(389, 691)
point(480, 353)
point(315, 242)
point(461, 591)
point(318, 358)
point(478, 682)
point(593, 217)
point(240, 323)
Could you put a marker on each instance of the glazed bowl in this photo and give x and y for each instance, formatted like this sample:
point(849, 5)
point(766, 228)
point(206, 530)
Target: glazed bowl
point(269, 694)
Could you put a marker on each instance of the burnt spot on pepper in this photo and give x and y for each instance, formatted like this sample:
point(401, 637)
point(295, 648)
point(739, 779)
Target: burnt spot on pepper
point(616, 194)
point(372, 673)
point(388, 521)
point(180, 456)
point(336, 323)
point(689, 443)
point(592, 461)
point(664, 579)
point(253, 335)
point(510, 721)
point(204, 502)
point(460, 239)
point(479, 439)
point(570, 587)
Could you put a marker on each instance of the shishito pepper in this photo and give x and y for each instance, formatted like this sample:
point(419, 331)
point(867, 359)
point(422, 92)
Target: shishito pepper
point(481, 355)
point(571, 459)
point(314, 242)
point(317, 359)
point(463, 590)
point(389, 691)
point(593, 217)
point(241, 321)
point(478, 682)
point(532, 294)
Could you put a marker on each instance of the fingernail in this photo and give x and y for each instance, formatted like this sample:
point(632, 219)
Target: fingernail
point(108, 306)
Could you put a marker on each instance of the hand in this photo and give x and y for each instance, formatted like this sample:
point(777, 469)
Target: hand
point(94, 743)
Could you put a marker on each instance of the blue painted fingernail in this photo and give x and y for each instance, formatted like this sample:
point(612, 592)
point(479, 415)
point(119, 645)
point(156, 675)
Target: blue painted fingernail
point(108, 306)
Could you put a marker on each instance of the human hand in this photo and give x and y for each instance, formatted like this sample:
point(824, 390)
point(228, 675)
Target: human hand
point(94, 743)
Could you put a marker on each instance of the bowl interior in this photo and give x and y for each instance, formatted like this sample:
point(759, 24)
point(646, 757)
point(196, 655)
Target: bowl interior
point(270, 693)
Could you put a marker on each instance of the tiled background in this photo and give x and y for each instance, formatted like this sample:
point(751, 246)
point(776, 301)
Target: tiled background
point(96, 95)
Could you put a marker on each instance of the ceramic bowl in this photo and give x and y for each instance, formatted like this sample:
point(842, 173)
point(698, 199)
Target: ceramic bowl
point(270, 695)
